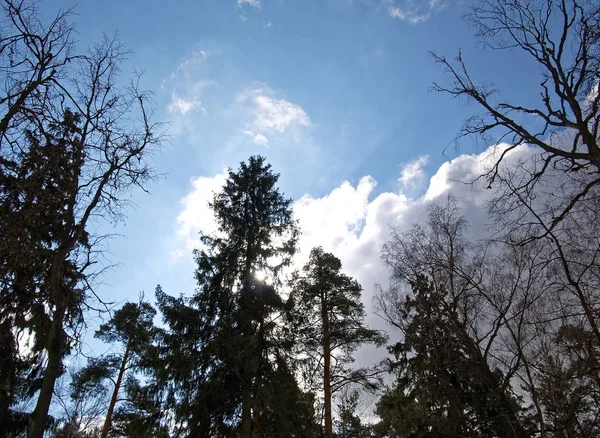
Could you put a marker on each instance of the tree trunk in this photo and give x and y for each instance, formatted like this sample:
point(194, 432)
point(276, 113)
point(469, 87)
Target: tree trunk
point(16, 107)
point(257, 402)
point(39, 416)
point(247, 331)
point(115, 395)
point(256, 407)
point(326, 370)
point(54, 347)
point(246, 412)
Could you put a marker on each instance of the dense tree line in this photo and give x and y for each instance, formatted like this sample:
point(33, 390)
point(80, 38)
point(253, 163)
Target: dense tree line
point(490, 338)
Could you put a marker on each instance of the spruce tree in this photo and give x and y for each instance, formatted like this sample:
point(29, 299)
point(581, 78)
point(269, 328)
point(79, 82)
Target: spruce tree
point(444, 386)
point(221, 343)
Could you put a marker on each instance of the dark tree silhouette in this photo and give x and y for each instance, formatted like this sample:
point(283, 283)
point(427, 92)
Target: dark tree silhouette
point(229, 333)
point(72, 143)
point(562, 39)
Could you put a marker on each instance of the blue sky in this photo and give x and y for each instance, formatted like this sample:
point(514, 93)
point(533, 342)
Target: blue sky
point(335, 93)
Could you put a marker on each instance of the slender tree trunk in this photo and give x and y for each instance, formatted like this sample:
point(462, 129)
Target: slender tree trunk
point(257, 402)
point(54, 347)
point(115, 395)
point(246, 411)
point(39, 416)
point(326, 370)
point(247, 331)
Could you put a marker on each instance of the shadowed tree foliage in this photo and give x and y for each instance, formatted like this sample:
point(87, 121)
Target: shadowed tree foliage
point(330, 327)
point(570, 384)
point(287, 410)
point(444, 386)
point(140, 414)
point(349, 423)
point(131, 326)
point(111, 378)
point(494, 311)
point(36, 213)
point(72, 143)
point(220, 344)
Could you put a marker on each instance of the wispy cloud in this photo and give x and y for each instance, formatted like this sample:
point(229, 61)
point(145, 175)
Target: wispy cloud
point(187, 85)
point(257, 137)
point(270, 115)
point(413, 11)
point(183, 106)
point(412, 173)
point(253, 3)
point(197, 58)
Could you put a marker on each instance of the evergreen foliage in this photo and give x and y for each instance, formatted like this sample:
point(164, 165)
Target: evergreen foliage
point(223, 343)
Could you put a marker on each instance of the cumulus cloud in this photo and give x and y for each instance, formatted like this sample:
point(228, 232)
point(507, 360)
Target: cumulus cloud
point(195, 215)
point(253, 3)
point(354, 224)
point(412, 173)
point(346, 221)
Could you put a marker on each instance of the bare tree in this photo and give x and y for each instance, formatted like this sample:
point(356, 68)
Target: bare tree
point(82, 402)
point(73, 143)
point(549, 199)
point(511, 301)
point(33, 57)
point(562, 38)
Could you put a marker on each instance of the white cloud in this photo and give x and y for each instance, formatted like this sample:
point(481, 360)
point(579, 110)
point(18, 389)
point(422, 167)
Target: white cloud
point(253, 3)
point(258, 138)
point(189, 65)
point(346, 220)
point(336, 220)
point(396, 12)
point(412, 173)
point(182, 106)
point(413, 11)
point(196, 215)
point(277, 114)
point(187, 87)
point(353, 225)
point(270, 115)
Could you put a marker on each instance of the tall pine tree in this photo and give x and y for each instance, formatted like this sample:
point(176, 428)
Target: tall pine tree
point(330, 318)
